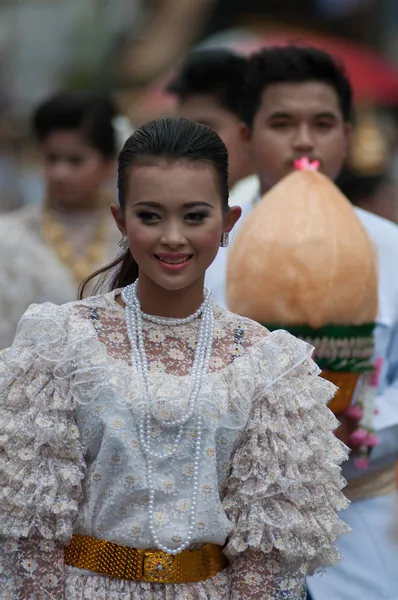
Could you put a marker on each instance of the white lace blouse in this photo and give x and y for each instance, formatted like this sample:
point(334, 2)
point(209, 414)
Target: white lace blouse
point(70, 458)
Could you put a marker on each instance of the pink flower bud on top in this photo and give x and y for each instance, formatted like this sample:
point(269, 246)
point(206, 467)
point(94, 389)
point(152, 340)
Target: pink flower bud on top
point(305, 163)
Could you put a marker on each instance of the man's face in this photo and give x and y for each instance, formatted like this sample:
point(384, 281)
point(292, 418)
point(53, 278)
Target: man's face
point(296, 120)
point(206, 110)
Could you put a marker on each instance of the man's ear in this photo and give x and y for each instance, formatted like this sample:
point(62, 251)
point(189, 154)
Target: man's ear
point(245, 132)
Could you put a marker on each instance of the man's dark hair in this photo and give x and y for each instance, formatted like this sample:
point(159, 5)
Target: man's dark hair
point(89, 114)
point(218, 73)
point(294, 64)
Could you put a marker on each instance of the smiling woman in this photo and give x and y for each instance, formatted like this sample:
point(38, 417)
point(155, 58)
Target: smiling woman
point(173, 210)
point(156, 465)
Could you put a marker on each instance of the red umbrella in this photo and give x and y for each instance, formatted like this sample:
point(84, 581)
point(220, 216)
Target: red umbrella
point(374, 80)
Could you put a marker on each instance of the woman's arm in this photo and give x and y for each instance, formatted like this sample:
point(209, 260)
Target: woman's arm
point(255, 576)
point(31, 568)
point(283, 494)
point(41, 458)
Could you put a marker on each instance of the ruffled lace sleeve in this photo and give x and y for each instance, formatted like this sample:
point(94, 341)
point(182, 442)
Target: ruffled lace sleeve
point(283, 494)
point(41, 458)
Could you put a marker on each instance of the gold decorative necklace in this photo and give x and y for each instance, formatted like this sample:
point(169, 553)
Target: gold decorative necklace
point(55, 235)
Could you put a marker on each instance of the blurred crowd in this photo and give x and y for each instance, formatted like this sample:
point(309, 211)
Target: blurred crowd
point(77, 77)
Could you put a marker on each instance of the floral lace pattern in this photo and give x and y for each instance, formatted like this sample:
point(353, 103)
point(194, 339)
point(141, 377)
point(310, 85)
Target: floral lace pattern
point(170, 349)
point(70, 459)
point(31, 569)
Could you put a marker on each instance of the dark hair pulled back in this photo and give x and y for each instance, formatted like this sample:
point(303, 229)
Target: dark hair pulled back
point(172, 139)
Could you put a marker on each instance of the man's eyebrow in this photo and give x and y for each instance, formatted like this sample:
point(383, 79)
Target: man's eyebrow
point(279, 114)
point(326, 114)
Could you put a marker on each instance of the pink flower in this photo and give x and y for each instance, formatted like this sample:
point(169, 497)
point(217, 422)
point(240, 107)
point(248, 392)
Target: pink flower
point(305, 163)
point(371, 440)
point(354, 412)
point(358, 437)
point(361, 462)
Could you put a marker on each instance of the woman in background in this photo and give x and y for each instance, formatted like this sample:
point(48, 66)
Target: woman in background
point(47, 250)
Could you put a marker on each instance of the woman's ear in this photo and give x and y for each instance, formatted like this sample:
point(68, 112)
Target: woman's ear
point(119, 218)
point(231, 218)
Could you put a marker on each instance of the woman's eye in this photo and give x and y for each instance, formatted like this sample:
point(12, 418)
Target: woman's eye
point(196, 217)
point(148, 217)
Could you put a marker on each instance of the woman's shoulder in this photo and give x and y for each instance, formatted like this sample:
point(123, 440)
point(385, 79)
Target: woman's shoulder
point(49, 318)
point(104, 301)
point(47, 309)
point(272, 354)
point(256, 334)
point(227, 319)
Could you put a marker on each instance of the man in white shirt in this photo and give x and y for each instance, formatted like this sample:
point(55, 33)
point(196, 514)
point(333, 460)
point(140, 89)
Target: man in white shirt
point(298, 102)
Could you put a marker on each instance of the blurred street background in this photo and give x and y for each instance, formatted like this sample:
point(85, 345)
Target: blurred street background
point(130, 48)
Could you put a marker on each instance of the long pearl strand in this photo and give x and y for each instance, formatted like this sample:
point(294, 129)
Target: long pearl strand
point(134, 322)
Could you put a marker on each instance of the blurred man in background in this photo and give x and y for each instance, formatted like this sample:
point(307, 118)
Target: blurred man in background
point(207, 88)
point(298, 103)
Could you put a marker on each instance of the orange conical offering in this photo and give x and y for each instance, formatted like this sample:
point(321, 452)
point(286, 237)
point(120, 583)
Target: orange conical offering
point(302, 261)
point(302, 257)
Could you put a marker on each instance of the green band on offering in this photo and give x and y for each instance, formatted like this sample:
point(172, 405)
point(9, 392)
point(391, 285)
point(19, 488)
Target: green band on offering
point(337, 347)
point(328, 331)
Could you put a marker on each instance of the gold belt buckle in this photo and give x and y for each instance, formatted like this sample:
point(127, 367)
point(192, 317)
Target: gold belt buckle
point(158, 567)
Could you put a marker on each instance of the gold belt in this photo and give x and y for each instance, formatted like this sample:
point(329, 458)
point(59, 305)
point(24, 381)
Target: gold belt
point(108, 558)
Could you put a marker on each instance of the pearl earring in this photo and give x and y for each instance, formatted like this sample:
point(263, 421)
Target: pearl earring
point(224, 239)
point(123, 243)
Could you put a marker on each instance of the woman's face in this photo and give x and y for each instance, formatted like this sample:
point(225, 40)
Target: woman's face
point(73, 171)
point(174, 221)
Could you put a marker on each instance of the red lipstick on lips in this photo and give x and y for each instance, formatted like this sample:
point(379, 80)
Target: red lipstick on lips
point(173, 261)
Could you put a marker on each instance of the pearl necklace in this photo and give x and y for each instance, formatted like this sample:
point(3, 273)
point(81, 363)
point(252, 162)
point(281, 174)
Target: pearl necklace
point(134, 323)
